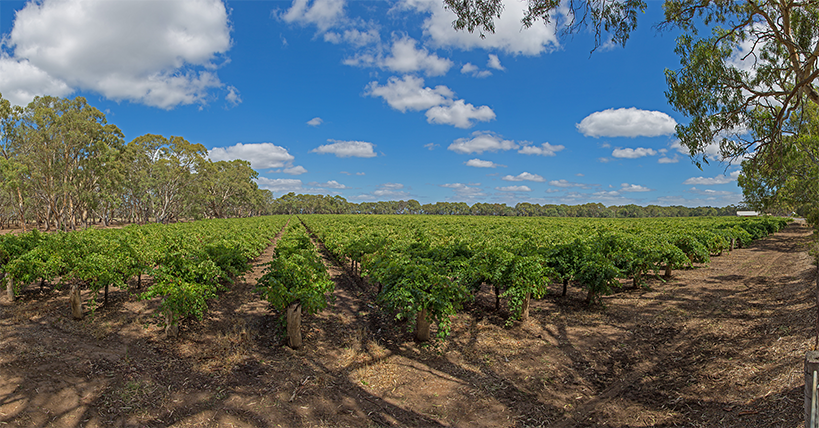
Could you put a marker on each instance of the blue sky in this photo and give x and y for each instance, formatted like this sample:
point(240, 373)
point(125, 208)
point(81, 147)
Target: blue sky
point(374, 100)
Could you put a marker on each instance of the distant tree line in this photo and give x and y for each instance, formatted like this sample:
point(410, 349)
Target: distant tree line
point(63, 166)
point(293, 203)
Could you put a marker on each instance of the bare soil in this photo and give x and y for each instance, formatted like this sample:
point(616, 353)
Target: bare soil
point(714, 346)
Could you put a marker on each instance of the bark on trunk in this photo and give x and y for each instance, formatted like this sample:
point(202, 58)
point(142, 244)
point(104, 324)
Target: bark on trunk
point(76, 302)
point(565, 286)
point(10, 288)
point(105, 299)
point(668, 271)
point(635, 280)
point(590, 297)
point(733, 244)
point(422, 326)
point(294, 325)
point(524, 310)
point(171, 325)
point(497, 299)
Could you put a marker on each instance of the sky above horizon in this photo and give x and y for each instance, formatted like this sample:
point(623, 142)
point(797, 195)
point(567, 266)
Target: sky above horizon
point(375, 100)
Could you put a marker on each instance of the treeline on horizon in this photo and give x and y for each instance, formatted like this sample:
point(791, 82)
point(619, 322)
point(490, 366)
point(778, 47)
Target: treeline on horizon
point(292, 203)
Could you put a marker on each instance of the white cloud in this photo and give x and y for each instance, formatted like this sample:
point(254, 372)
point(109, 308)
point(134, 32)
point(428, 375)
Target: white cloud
point(295, 170)
point(391, 191)
point(332, 184)
point(708, 181)
point(431, 146)
point(664, 159)
point(711, 192)
point(565, 183)
point(475, 71)
point(625, 187)
point(282, 185)
point(545, 149)
point(494, 62)
point(465, 191)
point(627, 122)
point(406, 58)
point(409, 93)
point(509, 36)
point(354, 37)
point(260, 155)
point(481, 142)
point(324, 14)
point(524, 176)
point(346, 149)
point(459, 114)
point(233, 96)
point(158, 53)
point(514, 189)
point(316, 121)
point(478, 163)
point(633, 153)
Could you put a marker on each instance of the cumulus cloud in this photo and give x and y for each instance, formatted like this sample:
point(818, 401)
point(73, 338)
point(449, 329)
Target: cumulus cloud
point(545, 149)
point(565, 183)
point(494, 62)
point(354, 36)
point(478, 163)
point(394, 191)
point(465, 191)
point(279, 185)
point(481, 141)
point(625, 187)
point(409, 93)
point(708, 181)
point(627, 122)
point(508, 37)
point(666, 159)
point(260, 155)
point(346, 149)
point(524, 176)
point(316, 121)
point(332, 184)
point(514, 189)
point(406, 58)
point(475, 71)
point(161, 54)
point(324, 14)
point(459, 114)
point(633, 153)
point(295, 170)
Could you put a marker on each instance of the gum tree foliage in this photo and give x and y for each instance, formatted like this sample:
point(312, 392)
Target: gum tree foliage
point(739, 82)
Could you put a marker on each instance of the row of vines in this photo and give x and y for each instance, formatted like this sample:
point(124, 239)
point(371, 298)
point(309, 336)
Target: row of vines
point(428, 267)
point(188, 263)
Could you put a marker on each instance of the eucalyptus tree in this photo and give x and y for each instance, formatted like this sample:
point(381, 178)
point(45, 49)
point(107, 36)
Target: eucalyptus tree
point(227, 187)
point(13, 170)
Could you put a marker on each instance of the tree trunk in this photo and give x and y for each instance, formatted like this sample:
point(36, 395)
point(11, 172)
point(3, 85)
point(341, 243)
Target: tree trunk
point(668, 270)
point(590, 296)
point(635, 280)
point(565, 286)
point(171, 325)
point(76, 302)
point(294, 325)
point(497, 298)
point(105, 299)
point(10, 287)
point(422, 326)
point(524, 310)
point(733, 244)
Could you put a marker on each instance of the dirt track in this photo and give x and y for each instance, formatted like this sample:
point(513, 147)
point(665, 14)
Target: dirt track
point(717, 346)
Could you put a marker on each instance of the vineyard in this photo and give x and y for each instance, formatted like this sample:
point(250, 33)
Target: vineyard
point(553, 312)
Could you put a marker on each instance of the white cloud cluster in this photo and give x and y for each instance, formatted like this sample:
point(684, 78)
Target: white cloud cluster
point(509, 36)
point(394, 191)
point(324, 14)
point(158, 53)
point(514, 189)
point(346, 149)
point(409, 93)
point(404, 57)
point(260, 155)
point(481, 141)
point(280, 185)
point(494, 62)
point(475, 71)
point(627, 122)
point(545, 149)
point(708, 181)
point(479, 163)
point(354, 36)
point(628, 153)
point(466, 191)
point(332, 184)
point(625, 187)
point(524, 176)
point(316, 121)
point(566, 184)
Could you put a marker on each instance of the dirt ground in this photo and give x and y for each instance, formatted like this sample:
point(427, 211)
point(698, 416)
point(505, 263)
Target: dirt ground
point(716, 346)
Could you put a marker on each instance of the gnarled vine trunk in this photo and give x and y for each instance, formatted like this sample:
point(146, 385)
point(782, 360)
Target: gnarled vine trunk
point(294, 325)
point(422, 326)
